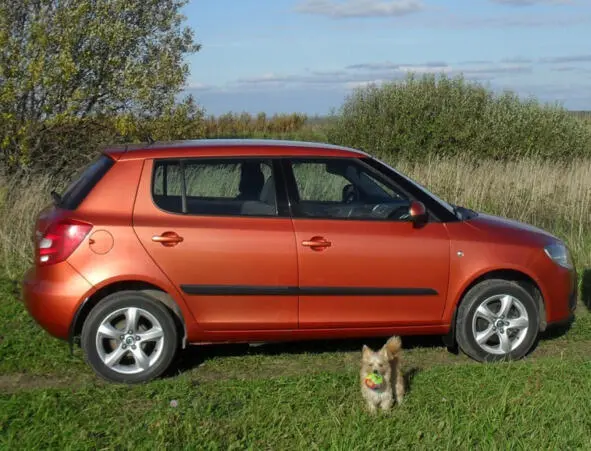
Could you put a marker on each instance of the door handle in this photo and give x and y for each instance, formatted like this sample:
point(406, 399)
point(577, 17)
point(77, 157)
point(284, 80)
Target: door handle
point(168, 239)
point(316, 243)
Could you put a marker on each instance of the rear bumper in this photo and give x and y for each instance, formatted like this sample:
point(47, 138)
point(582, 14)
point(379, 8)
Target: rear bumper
point(52, 295)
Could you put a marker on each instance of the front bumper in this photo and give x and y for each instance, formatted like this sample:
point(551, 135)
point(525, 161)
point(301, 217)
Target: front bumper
point(572, 307)
point(52, 295)
point(560, 292)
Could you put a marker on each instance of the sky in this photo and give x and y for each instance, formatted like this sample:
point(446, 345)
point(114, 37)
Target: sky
point(306, 56)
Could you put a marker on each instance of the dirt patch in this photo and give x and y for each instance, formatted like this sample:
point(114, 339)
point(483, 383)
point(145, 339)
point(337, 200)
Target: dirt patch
point(415, 359)
point(14, 382)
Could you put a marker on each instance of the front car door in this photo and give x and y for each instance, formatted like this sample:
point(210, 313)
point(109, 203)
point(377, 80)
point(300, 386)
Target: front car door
point(362, 263)
point(215, 228)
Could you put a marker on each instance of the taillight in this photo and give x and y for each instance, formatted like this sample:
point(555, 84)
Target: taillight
point(60, 240)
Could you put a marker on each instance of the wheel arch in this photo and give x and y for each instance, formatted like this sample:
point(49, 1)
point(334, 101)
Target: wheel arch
point(514, 275)
point(147, 288)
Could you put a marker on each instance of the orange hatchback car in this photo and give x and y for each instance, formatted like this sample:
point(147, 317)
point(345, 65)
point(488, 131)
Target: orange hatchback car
point(154, 247)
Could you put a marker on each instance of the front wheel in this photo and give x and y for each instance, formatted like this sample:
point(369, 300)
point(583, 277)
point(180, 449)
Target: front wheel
point(129, 337)
point(497, 320)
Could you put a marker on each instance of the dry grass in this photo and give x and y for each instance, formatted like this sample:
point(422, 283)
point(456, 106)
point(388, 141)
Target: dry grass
point(21, 199)
point(553, 196)
point(244, 124)
point(556, 197)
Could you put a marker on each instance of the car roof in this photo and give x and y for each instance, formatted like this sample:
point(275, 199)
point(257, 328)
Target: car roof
point(229, 147)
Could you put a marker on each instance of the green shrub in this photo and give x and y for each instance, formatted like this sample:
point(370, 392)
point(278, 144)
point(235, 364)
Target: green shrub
point(60, 147)
point(439, 115)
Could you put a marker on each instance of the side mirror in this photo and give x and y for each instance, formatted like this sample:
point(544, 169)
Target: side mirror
point(418, 213)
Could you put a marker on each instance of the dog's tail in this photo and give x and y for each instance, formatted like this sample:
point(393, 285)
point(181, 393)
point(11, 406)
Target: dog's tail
point(394, 346)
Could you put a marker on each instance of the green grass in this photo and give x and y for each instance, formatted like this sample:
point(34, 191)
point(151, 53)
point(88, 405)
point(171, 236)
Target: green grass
point(292, 396)
point(539, 405)
point(25, 347)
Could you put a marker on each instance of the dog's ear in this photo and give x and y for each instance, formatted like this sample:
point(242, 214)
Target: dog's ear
point(366, 350)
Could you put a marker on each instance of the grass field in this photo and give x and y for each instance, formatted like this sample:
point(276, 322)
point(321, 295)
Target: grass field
point(305, 395)
point(292, 396)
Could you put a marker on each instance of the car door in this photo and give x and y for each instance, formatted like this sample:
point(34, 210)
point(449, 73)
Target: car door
point(215, 229)
point(362, 263)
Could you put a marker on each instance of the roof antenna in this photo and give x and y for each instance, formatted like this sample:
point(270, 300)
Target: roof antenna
point(150, 139)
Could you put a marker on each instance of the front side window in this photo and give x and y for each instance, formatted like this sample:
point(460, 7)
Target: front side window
point(345, 189)
point(215, 187)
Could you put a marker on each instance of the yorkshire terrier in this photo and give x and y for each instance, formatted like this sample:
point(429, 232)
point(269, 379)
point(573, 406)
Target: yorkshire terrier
point(381, 376)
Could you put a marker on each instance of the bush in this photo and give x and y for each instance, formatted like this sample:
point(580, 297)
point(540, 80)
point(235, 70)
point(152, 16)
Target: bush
point(438, 115)
point(293, 126)
point(60, 147)
point(245, 125)
point(65, 65)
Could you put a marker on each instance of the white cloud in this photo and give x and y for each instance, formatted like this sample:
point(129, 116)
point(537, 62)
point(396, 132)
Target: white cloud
point(362, 84)
point(314, 90)
point(359, 8)
point(523, 20)
point(511, 73)
point(393, 66)
point(362, 74)
point(533, 2)
point(567, 59)
point(197, 86)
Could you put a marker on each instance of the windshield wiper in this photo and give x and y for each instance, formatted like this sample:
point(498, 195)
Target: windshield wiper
point(464, 213)
point(57, 199)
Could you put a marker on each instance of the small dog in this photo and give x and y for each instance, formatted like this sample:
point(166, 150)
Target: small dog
point(381, 375)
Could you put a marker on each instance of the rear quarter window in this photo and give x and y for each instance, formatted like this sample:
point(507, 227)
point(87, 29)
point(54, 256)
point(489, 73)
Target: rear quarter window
point(83, 184)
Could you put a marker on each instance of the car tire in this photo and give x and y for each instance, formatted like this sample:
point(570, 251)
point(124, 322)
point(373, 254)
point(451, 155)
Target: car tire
point(497, 320)
point(130, 338)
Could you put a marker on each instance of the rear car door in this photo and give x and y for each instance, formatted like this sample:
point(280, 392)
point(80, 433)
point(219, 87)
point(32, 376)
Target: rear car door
point(215, 227)
point(362, 263)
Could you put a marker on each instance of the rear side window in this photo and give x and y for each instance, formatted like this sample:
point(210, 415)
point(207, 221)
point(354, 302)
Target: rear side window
point(85, 182)
point(215, 187)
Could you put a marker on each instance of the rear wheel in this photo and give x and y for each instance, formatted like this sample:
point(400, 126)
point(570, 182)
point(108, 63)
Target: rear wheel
point(129, 337)
point(497, 320)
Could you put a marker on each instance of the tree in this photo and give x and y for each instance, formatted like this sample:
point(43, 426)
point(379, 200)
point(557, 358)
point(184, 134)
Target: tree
point(68, 60)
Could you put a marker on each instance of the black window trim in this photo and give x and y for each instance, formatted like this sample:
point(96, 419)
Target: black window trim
point(283, 209)
point(437, 213)
point(80, 188)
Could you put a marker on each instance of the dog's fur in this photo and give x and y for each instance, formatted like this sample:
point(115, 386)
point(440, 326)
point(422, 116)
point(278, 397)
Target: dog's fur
point(385, 362)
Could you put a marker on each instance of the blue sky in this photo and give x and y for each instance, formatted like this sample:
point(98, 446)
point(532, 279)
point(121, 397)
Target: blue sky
point(306, 55)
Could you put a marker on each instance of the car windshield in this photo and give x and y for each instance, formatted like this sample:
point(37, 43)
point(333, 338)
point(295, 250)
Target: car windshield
point(447, 205)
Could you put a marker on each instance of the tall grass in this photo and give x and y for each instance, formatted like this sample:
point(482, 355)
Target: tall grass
point(554, 196)
point(582, 114)
point(21, 199)
point(245, 124)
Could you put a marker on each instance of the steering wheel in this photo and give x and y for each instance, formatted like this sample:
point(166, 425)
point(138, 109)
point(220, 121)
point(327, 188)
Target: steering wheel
point(350, 194)
point(400, 213)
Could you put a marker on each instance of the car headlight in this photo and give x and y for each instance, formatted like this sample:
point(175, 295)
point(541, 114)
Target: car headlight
point(560, 254)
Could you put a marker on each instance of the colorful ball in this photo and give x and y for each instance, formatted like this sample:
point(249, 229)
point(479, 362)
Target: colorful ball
point(374, 381)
